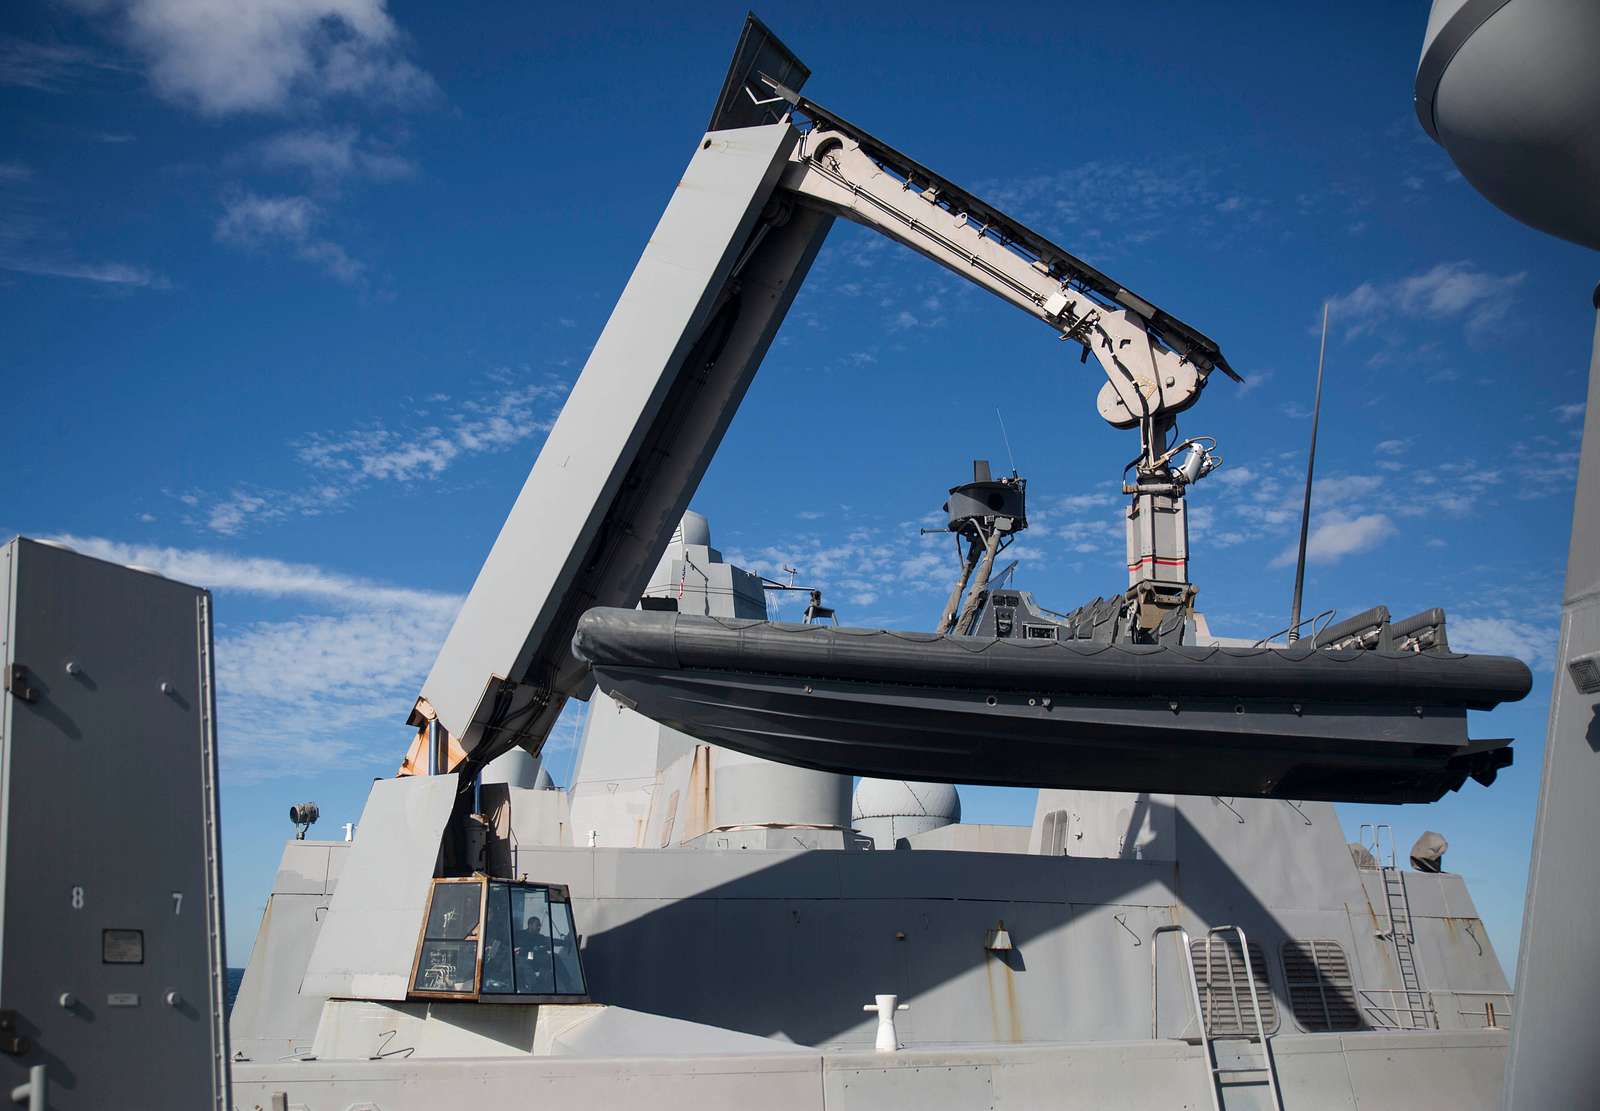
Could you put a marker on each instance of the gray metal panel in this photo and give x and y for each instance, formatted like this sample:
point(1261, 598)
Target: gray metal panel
point(1424, 894)
point(368, 942)
point(303, 868)
point(1552, 1061)
point(1389, 1073)
point(632, 441)
point(778, 1082)
point(1455, 954)
point(272, 1017)
point(618, 1032)
point(109, 820)
point(758, 54)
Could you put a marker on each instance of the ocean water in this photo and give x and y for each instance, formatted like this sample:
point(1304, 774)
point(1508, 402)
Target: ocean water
point(235, 978)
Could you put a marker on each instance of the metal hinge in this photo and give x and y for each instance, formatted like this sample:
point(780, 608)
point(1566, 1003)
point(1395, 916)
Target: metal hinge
point(16, 677)
point(10, 1041)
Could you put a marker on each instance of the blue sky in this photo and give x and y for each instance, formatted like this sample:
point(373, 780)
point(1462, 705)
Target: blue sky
point(290, 299)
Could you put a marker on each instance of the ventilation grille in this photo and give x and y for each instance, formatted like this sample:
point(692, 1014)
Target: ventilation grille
point(1225, 991)
point(1317, 976)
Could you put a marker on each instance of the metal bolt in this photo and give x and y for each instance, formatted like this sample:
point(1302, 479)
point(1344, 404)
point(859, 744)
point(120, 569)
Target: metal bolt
point(173, 999)
point(166, 688)
point(73, 668)
point(1173, 706)
point(67, 1000)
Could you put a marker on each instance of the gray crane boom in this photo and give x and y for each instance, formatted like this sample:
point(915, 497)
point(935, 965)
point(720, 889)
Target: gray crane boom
point(678, 353)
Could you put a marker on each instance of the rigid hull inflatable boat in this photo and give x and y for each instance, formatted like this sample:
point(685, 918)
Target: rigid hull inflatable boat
point(1299, 723)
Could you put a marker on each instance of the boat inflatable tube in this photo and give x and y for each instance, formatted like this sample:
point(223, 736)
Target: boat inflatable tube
point(1297, 723)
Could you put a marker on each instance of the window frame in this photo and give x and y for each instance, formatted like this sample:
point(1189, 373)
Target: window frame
point(554, 892)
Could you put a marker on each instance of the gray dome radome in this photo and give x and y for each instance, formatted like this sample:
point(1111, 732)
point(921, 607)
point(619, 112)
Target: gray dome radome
point(895, 798)
point(1509, 90)
point(693, 529)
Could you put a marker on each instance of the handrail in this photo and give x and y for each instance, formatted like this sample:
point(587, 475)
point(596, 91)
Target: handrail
point(1255, 1002)
point(1194, 998)
point(1376, 843)
point(1427, 1011)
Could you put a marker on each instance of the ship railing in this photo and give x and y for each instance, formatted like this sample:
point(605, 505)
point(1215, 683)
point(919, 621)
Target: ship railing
point(1399, 1009)
point(1373, 839)
point(1494, 1011)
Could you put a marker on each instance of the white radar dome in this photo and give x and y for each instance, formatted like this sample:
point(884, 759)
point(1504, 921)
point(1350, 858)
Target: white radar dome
point(890, 809)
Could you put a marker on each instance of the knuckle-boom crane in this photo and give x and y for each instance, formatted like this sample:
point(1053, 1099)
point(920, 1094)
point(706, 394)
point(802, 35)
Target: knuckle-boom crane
point(762, 189)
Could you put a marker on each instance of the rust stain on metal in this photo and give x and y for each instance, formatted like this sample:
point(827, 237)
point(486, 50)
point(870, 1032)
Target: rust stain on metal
point(1013, 1019)
point(701, 805)
point(988, 979)
point(1005, 1027)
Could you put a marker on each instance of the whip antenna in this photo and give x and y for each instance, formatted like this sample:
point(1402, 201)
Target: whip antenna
point(1305, 509)
point(1006, 438)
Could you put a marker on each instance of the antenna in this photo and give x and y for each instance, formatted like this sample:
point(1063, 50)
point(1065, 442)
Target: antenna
point(1006, 438)
point(1305, 509)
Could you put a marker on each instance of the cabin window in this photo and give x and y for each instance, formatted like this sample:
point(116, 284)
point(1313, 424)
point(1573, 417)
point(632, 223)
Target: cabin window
point(1316, 974)
point(1225, 990)
point(1039, 632)
point(447, 957)
point(497, 940)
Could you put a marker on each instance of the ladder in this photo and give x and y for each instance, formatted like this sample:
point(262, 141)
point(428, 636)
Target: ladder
point(1399, 932)
point(1208, 1051)
point(1402, 937)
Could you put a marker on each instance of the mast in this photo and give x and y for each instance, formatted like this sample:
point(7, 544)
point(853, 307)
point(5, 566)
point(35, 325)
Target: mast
point(1305, 508)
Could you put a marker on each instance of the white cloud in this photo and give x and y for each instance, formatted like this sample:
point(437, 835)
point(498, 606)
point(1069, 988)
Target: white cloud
point(1342, 489)
point(1390, 447)
point(267, 55)
point(252, 221)
point(377, 452)
point(1448, 291)
point(103, 273)
point(270, 578)
point(1570, 412)
point(11, 172)
point(1255, 380)
point(249, 219)
point(1337, 536)
point(342, 463)
point(45, 66)
point(331, 153)
point(1111, 206)
point(1503, 636)
point(298, 695)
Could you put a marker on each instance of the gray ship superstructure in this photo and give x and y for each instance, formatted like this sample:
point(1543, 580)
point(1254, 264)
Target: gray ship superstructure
point(731, 939)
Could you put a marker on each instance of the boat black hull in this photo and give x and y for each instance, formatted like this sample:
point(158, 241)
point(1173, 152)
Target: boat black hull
point(1351, 726)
